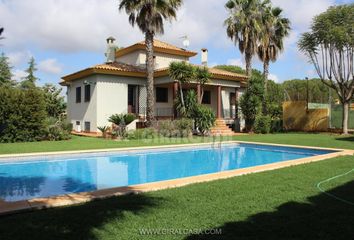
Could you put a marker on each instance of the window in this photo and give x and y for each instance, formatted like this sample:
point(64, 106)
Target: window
point(162, 95)
point(77, 123)
point(78, 94)
point(87, 93)
point(206, 97)
point(87, 126)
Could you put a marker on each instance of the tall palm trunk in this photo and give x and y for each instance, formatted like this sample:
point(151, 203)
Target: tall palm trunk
point(150, 99)
point(181, 93)
point(248, 59)
point(265, 79)
point(345, 117)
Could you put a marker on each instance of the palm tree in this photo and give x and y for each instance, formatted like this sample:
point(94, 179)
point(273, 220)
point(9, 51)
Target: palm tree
point(244, 27)
point(202, 76)
point(275, 29)
point(183, 73)
point(149, 15)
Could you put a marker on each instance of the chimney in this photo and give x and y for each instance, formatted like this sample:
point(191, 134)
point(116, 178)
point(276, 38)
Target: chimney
point(205, 57)
point(111, 50)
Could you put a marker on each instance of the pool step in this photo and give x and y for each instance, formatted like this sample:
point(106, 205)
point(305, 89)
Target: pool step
point(221, 128)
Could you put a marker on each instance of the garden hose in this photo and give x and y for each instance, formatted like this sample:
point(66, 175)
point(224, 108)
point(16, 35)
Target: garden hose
point(332, 195)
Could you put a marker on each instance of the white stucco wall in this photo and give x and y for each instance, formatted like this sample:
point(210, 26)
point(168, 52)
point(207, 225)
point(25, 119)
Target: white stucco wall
point(132, 58)
point(84, 111)
point(138, 58)
point(112, 96)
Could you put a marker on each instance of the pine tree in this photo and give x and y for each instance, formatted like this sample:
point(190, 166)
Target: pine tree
point(30, 80)
point(5, 71)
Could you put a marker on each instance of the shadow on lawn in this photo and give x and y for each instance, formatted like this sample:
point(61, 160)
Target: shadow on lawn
point(76, 222)
point(349, 139)
point(321, 218)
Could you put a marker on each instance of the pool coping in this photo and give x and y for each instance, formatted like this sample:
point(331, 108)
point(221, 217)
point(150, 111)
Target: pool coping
point(78, 198)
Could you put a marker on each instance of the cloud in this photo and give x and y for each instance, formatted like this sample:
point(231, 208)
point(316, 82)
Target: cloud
point(18, 75)
point(236, 62)
point(273, 77)
point(50, 66)
point(301, 12)
point(19, 57)
point(83, 25)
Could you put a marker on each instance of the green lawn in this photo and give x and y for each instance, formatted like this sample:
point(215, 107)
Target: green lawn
point(84, 143)
point(280, 204)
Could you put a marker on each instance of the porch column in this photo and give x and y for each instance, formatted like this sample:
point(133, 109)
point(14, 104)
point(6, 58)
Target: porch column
point(236, 103)
point(199, 93)
point(175, 92)
point(218, 112)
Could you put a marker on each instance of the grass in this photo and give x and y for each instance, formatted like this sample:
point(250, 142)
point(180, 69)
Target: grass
point(85, 143)
point(280, 204)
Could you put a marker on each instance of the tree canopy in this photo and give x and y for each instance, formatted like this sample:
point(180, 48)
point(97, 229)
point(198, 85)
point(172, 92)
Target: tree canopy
point(30, 80)
point(330, 48)
point(5, 71)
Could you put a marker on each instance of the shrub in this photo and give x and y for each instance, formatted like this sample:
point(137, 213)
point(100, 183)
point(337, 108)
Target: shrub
point(190, 104)
point(22, 115)
point(183, 127)
point(276, 125)
point(120, 122)
point(119, 119)
point(144, 133)
point(262, 124)
point(177, 128)
point(56, 130)
point(166, 128)
point(251, 100)
point(119, 130)
point(204, 118)
point(103, 130)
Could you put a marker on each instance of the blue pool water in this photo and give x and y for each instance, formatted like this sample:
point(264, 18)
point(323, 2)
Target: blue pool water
point(56, 175)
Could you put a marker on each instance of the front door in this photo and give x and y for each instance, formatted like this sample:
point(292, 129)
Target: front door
point(132, 98)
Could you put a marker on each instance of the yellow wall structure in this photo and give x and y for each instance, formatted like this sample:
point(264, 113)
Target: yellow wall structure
point(297, 117)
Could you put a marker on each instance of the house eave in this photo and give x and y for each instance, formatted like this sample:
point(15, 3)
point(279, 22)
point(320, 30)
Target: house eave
point(138, 46)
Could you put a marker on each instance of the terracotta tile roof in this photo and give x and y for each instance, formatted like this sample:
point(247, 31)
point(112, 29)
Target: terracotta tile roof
point(117, 66)
point(226, 73)
point(122, 69)
point(159, 46)
point(217, 73)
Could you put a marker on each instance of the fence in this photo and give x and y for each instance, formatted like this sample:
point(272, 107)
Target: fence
point(298, 116)
point(337, 116)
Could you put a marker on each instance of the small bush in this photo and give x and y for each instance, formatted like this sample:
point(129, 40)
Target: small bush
point(183, 127)
point(177, 128)
point(276, 126)
point(204, 119)
point(119, 119)
point(145, 133)
point(166, 128)
point(262, 124)
point(56, 130)
point(103, 130)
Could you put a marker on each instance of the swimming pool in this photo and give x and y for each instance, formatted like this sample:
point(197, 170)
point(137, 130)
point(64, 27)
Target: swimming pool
point(28, 178)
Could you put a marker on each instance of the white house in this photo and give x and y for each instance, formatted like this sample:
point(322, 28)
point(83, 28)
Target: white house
point(119, 86)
